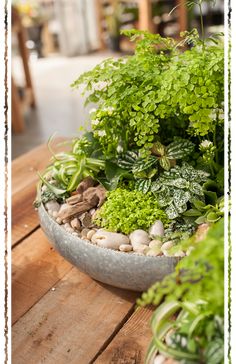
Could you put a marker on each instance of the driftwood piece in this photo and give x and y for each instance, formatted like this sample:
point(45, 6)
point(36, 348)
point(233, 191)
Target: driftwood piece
point(95, 195)
point(72, 210)
point(85, 184)
point(74, 199)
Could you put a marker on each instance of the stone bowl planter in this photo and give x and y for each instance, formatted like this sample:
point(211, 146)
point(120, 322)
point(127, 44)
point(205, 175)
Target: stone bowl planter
point(124, 270)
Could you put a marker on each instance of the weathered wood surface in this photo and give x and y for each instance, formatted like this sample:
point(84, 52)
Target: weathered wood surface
point(71, 323)
point(24, 179)
point(131, 343)
point(59, 314)
point(36, 267)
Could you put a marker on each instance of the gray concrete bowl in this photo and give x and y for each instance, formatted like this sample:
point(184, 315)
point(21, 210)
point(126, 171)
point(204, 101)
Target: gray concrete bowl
point(119, 269)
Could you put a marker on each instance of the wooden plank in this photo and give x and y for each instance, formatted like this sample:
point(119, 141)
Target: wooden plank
point(182, 15)
point(24, 180)
point(145, 15)
point(131, 343)
point(24, 168)
point(36, 267)
point(71, 323)
point(24, 217)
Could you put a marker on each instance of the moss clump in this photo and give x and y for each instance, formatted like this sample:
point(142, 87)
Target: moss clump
point(125, 211)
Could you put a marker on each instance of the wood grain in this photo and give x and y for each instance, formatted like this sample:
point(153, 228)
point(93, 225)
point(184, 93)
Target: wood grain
point(24, 215)
point(24, 168)
point(72, 323)
point(131, 343)
point(36, 267)
point(24, 179)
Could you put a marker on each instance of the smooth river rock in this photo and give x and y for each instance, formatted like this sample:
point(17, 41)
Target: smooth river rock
point(139, 237)
point(107, 239)
point(157, 229)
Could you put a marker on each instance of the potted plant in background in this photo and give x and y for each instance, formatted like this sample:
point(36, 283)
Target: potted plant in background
point(113, 22)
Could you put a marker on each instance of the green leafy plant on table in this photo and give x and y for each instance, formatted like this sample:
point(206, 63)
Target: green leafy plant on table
point(188, 324)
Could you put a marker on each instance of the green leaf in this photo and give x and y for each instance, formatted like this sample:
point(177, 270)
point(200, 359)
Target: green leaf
point(210, 197)
point(181, 197)
point(179, 149)
point(212, 217)
point(196, 188)
point(143, 185)
point(172, 212)
point(192, 212)
point(158, 149)
point(164, 163)
point(198, 204)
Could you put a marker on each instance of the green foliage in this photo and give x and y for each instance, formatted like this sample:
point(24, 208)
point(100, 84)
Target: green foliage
point(195, 293)
point(125, 211)
point(180, 148)
point(156, 86)
point(175, 188)
point(206, 213)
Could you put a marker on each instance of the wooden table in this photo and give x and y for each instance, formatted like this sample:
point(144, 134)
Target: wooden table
point(60, 315)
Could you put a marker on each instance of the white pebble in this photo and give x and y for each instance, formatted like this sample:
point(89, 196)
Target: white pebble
point(125, 248)
point(167, 245)
point(84, 233)
point(59, 220)
point(154, 252)
point(75, 224)
point(90, 234)
point(179, 254)
point(155, 244)
point(139, 237)
point(107, 239)
point(157, 229)
point(52, 205)
point(140, 248)
point(159, 359)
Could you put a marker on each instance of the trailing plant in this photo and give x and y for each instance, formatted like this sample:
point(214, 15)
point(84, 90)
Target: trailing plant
point(195, 294)
point(125, 211)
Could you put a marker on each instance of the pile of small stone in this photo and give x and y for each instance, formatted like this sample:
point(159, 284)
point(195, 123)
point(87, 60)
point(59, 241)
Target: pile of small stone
point(82, 225)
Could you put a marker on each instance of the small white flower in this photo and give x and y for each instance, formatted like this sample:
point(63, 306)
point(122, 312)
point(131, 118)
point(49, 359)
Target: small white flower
point(119, 149)
point(92, 110)
point(101, 133)
point(95, 122)
point(213, 115)
point(109, 109)
point(206, 144)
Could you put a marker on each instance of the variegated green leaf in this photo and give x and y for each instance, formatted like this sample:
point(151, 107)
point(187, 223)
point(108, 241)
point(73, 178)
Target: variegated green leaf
point(181, 197)
point(158, 149)
point(171, 211)
point(179, 149)
point(181, 208)
point(196, 188)
point(164, 197)
point(164, 163)
point(144, 164)
point(143, 185)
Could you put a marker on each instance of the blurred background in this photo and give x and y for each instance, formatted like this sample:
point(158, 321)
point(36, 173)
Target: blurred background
point(54, 41)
